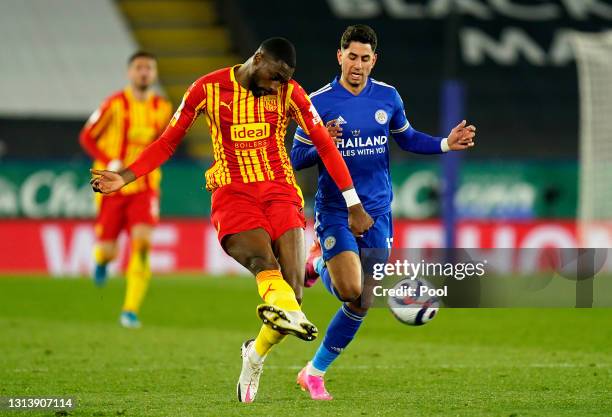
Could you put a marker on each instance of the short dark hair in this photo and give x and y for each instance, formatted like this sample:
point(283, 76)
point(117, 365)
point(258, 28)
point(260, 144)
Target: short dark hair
point(359, 33)
point(141, 54)
point(280, 48)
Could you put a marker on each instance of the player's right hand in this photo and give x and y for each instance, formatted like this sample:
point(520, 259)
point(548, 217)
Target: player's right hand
point(334, 130)
point(359, 220)
point(106, 182)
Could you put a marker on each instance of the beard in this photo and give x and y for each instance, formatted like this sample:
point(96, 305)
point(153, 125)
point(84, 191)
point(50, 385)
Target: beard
point(142, 85)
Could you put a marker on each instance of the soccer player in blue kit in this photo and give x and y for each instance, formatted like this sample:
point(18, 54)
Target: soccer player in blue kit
point(360, 113)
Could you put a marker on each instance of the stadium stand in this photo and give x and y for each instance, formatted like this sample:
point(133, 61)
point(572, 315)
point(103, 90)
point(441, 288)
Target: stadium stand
point(189, 41)
point(56, 61)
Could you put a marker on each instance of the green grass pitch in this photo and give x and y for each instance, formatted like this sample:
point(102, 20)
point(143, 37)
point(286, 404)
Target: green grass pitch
point(60, 337)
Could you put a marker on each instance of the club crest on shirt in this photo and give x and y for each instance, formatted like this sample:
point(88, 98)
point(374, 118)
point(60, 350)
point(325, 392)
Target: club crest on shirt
point(329, 242)
point(381, 116)
point(270, 103)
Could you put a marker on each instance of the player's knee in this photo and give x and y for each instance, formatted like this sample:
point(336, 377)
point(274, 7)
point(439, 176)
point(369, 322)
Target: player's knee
point(349, 292)
point(106, 252)
point(258, 263)
point(141, 244)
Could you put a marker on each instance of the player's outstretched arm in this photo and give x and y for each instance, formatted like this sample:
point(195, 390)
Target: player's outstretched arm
point(161, 149)
point(461, 137)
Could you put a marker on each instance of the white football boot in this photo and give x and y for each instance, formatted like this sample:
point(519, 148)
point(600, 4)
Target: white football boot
point(248, 383)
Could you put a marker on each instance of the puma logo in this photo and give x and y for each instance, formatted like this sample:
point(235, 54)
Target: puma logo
point(228, 105)
point(270, 289)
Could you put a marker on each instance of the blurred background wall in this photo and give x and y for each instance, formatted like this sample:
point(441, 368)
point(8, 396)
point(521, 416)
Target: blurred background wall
point(519, 186)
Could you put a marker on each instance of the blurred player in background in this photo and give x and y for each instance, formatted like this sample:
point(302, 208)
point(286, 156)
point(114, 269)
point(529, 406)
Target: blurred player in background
point(360, 113)
point(257, 206)
point(115, 134)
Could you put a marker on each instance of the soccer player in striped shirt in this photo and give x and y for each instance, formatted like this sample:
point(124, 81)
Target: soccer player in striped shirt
point(115, 134)
point(257, 206)
point(361, 113)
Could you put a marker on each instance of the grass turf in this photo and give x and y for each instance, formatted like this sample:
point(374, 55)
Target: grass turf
point(62, 338)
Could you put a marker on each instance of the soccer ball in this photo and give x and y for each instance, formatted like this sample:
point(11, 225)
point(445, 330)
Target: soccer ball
point(409, 306)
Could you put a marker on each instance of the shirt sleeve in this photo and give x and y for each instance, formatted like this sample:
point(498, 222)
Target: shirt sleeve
point(399, 122)
point(94, 127)
point(303, 111)
point(303, 153)
point(158, 152)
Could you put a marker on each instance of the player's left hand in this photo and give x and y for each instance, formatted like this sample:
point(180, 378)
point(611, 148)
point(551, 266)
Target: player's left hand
point(334, 130)
point(461, 137)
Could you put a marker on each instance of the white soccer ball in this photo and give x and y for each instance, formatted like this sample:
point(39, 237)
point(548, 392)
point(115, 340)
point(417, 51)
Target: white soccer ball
point(410, 302)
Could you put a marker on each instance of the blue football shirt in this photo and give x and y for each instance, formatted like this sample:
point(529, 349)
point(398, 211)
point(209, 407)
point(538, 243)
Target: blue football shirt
point(367, 119)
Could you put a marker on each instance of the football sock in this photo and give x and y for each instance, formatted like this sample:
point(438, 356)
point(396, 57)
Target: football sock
point(138, 275)
point(341, 331)
point(327, 281)
point(274, 290)
point(264, 342)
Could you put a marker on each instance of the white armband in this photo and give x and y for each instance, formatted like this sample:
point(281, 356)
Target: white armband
point(351, 197)
point(444, 145)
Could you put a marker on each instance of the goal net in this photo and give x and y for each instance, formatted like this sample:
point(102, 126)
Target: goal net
point(593, 53)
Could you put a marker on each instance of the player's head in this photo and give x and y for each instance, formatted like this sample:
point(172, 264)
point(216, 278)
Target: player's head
point(273, 64)
point(142, 70)
point(357, 54)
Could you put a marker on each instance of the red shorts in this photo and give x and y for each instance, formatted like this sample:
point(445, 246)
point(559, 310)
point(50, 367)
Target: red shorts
point(274, 206)
point(118, 212)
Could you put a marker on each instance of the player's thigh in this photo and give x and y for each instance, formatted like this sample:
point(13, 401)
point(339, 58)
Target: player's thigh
point(291, 254)
point(341, 254)
point(251, 249)
point(375, 246)
point(236, 208)
point(142, 213)
point(110, 219)
point(374, 249)
point(345, 272)
point(380, 235)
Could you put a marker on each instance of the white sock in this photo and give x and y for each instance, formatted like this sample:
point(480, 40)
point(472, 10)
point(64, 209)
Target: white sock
point(254, 357)
point(318, 264)
point(311, 370)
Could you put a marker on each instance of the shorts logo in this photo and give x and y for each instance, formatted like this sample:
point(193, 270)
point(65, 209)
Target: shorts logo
point(381, 116)
point(249, 132)
point(329, 242)
point(270, 103)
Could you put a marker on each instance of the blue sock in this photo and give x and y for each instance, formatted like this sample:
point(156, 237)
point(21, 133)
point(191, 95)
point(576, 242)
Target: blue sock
point(341, 331)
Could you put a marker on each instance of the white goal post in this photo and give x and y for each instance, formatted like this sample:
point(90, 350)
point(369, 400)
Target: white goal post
point(593, 53)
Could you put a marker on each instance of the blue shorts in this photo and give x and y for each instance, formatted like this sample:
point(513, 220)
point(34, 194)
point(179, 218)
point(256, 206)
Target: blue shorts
point(335, 236)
